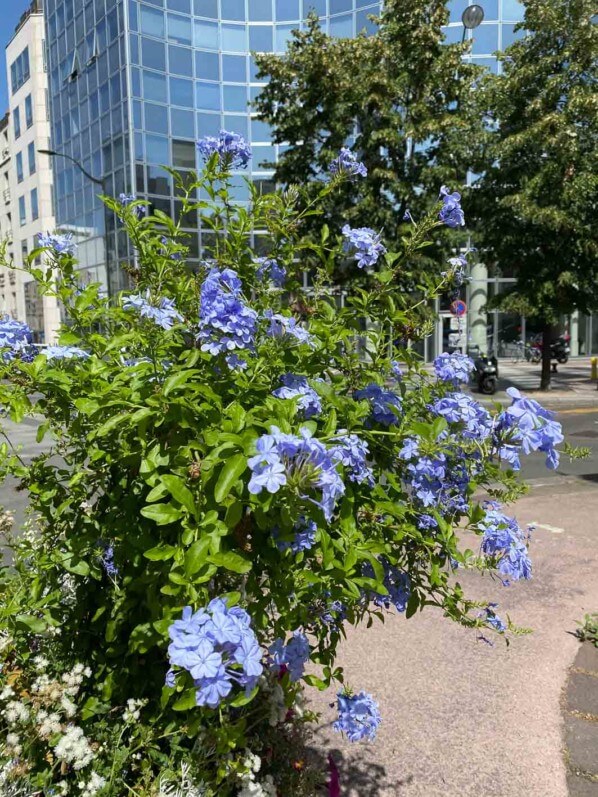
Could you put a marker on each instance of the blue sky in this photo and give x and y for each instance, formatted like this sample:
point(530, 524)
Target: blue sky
point(9, 16)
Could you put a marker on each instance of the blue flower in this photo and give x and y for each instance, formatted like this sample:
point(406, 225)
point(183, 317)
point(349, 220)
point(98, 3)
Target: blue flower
point(451, 212)
point(293, 655)
point(410, 448)
point(382, 401)
point(352, 452)
point(235, 363)
point(396, 370)
point(226, 323)
point(455, 368)
point(396, 581)
point(218, 647)
point(61, 244)
point(299, 388)
point(64, 352)
point(358, 716)
point(107, 559)
point(492, 619)
point(304, 537)
point(364, 243)
point(435, 482)
point(299, 459)
point(457, 274)
point(271, 269)
point(282, 326)
point(164, 315)
point(233, 150)
point(426, 522)
point(504, 541)
point(128, 199)
point(15, 339)
point(347, 163)
point(529, 427)
point(461, 408)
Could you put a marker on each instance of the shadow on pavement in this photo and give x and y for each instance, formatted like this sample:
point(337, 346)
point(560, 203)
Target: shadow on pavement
point(358, 778)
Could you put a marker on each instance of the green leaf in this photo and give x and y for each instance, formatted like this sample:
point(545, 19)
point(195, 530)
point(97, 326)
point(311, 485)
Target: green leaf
point(231, 470)
point(175, 381)
point(196, 556)
point(27, 622)
point(177, 488)
point(185, 701)
point(243, 699)
point(162, 514)
point(231, 561)
point(160, 553)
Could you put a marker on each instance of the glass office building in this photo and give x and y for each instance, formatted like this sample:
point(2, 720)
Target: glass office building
point(135, 83)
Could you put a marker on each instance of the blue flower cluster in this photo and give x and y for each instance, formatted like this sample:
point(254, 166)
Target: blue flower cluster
point(460, 408)
point(451, 212)
point(299, 388)
point(528, 427)
point(364, 243)
point(298, 459)
point(164, 315)
point(61, 244)
point(291, 657)
point(347, 163)
point(352, 452)
point(270, 268)
point(435, 480)
point(107, 559)
point(504, 541)
point(396, 370)
point(283, 326)
point(304, 537)
point(218, 647)
point(381, 401)
point(358, 716)
point(15, 338)
point(396, 581)
point(225, 321)
point(233, 150)
point(128, 199)
point(64, 353)
point(455, 368)
point(492, 619)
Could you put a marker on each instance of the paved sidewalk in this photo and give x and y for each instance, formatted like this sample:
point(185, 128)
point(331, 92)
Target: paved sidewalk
point(570, 384)
point(581, 723)
point(461, 718)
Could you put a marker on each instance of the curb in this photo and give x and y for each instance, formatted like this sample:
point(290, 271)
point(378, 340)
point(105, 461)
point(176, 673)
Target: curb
point(581, 723)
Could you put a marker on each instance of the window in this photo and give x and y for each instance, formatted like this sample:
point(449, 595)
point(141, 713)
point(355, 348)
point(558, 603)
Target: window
point(154, 86)
point(181, 92)
point(260, 38)
point(183, 154)
point(287, 10)
point(235, 98)
point(153, 54)
point(19, 167)
point(209, 8)
point(342, 27)
point(22, 211)
point(260, 10)
point(179, 29)
point(206, 35)
point(34, 205)
point(206, 65)
point(485, 39)
point(17, 122)
point(152, 22)
point(233, 9)
point(234, 38)
point(156, 118)
point(31, 157)
point(19, 70)
point(183, 122)
point(512, 10)
point(207, 96)
point(234, 68)
point(28, 111)
point(180, 61)
point(338, 6)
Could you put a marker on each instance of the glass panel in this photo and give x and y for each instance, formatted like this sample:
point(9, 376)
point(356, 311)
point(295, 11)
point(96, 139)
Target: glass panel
point(208, 124)
point(180, 61)
point(236, 124)
point(28, 111)
point(184, 6)
point(179, 29)
point(234, 38)
point(31, 157)
point(287, 10)
point(456, 9)
point(260, 10)
point(362, 21)
point(260, 38)
point(19, 167)
point(260, 131)
point(34, 205)
point(233, 9)
point(490, 10)
point(319, 6)
point(485, 39)
point(206, 35)
point(157, 149)
point(153, 54)
point(342, 27)
point(338, 6)
point(183, 123)
point(234, 68)
point(181, 92)
point(156, 118)
point(235, 98)
point(283, 34)
point(453, 35)
point(512, 10)
point(158, 181)
point(261, 155)
point(154, 86)
point(207, 8)
point(509, 35)
point(207, 96)
point(492, 65)
point(152, 22)
point(207, 65)
point(183, 154)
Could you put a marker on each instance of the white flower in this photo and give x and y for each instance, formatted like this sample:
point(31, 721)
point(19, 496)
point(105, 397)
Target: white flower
point(93, 785)
point(40, 663)
point(132, 711)
point(254, 789)
point(13, 744)
point(16, 711)
point(49, 724)
point(69, 708)
point(7, 692)
point(74, 748)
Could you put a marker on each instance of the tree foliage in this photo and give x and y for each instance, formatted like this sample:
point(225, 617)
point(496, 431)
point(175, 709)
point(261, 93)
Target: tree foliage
point(537, 202)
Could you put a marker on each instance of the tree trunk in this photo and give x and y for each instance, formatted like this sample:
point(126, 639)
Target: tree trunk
point(546, 341)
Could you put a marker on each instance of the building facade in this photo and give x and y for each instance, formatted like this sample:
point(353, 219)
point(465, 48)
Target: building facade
point(30, 174)
point(135, 83)
point(12, 298)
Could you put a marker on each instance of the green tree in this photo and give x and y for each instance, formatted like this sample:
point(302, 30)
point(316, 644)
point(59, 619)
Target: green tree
point(537, 202)
point(402, 98)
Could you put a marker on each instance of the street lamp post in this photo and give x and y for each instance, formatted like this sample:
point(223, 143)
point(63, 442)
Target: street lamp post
point(472, 17)
point(101, 181)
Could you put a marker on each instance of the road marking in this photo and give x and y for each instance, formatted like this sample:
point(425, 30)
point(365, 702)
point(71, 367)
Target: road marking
point(578, 411)
point(546, 527)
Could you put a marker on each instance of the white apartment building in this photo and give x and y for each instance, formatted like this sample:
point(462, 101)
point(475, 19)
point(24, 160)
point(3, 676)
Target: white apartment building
point(12, 296)
point(30, 175)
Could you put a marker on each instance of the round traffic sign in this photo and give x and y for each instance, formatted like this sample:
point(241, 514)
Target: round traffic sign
point(458, 307)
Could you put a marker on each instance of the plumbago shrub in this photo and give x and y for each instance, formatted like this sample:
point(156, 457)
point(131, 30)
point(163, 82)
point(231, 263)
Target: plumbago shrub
point(237, 470)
